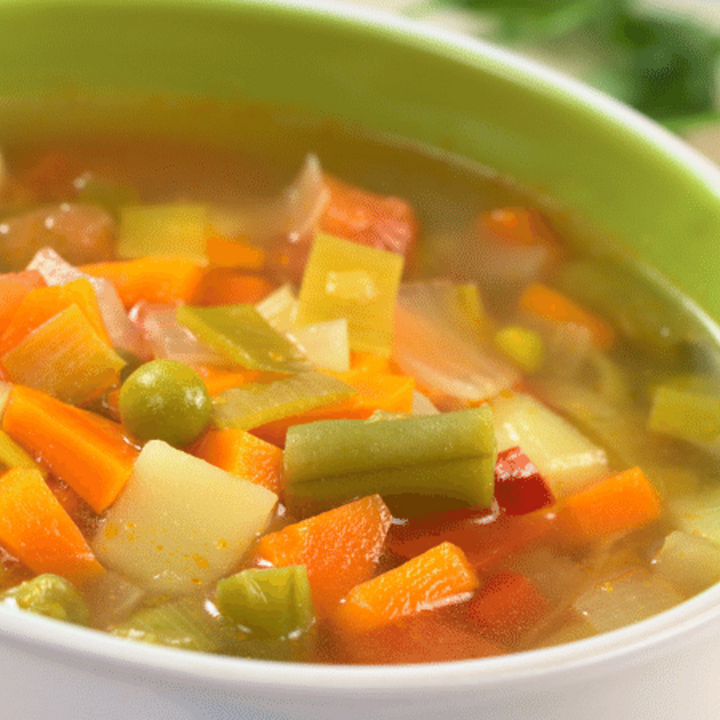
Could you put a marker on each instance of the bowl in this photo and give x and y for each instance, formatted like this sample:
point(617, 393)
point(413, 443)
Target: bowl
point(635, 182)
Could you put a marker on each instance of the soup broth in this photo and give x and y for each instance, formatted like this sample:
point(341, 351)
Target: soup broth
point(338, 400)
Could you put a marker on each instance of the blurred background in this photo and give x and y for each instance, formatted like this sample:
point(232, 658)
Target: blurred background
point(662, 57)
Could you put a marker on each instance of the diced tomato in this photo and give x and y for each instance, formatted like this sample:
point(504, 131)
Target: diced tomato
point(519, 486)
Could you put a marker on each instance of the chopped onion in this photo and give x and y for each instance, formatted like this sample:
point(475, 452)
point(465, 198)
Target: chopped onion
point(57, 271)
point(439, 343)
point(325, 344)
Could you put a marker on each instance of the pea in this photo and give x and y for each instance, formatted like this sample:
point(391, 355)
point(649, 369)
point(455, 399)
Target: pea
point(165, 400)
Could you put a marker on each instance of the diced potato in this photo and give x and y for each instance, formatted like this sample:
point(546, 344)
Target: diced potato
point(562, 454)
point(689, 562)
point(180, 523)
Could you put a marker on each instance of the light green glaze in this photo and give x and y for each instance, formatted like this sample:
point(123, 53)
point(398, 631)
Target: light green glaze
point(386, 79)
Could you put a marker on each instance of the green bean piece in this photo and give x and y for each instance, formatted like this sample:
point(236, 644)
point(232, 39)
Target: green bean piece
point(52, 596)
point(450, 456)
point(241, 334)
point(272, 603)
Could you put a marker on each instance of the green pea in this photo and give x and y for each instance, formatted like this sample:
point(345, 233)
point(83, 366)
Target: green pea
point(165, 400)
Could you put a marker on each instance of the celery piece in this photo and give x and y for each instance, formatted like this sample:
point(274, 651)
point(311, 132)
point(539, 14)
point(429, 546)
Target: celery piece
point(687, 415)
point(110, 194)
point(173, 229)
point(52, 596)
point(183, 624)
point(521, 345)
point(12, 455)
point(344, 279)
point(65, 358)
point(255, 404)
point(270, 602)
point(451, 455)
point(241, 334)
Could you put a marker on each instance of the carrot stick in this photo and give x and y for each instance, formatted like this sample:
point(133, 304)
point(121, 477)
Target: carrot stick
point(13, 288)
point(44, 303)
point(436, 578)
point(617, 504)
point(36, 529)
point(393, 393)
point(227, 286)
point(165, 279)
point(340, 548)
point(506, 607)
point(218, 380)
point(547, 304)
point(521, 226)
point(235, 253)
point(82, 449)
point(243, 454)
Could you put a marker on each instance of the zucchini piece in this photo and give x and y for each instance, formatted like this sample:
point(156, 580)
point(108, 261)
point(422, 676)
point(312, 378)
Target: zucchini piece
point(241, 334)
point(451, 455)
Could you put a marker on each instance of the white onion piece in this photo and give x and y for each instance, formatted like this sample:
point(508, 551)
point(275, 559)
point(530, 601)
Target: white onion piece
point(291, 215)
point(325, 344)
point(57, 271)
point(168, 339)
point(438, 343)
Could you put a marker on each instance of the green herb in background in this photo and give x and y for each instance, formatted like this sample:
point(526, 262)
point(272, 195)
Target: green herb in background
point(664, 66)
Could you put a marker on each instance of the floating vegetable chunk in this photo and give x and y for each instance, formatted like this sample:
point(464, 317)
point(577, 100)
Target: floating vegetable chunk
point(346, 280)
point(52, 596)
point(451, 455)
point(181, 523)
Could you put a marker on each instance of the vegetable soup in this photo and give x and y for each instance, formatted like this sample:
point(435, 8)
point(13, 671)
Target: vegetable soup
point(351, 402)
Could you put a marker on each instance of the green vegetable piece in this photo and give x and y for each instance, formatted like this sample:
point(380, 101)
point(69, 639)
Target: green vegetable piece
point(173, 229)
point(270, 602)
point(165, 400)
point(346, 280)
point(255, 404)
point(110, 194)
point(521, 345)
point(52, 596)
point(241, 334)
point(450, 455)
point(183, 624)
point(687, 415)
point(12, 455)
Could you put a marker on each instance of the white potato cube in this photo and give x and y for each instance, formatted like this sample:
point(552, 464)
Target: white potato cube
point(180, 523)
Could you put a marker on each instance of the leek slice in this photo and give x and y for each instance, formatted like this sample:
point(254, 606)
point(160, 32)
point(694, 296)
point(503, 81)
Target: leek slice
point(256, 404)
point(241, 334)
point(270, 602)
point(65, 358)
point(173, 229)
point(343, 279)
point(451, 455)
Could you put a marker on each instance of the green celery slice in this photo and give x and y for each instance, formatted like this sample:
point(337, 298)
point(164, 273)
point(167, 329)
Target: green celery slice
point(270, 602)
point(12, 455)
point(343, 279)
point(241, 334)
point(249, 406)
point(172, 229)
point(450, 455)
point(52, 596)
point(688, 415)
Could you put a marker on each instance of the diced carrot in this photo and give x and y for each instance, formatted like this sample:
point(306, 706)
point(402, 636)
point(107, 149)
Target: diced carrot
point(367, 362)
point(36, 529)
point(218, 379)
point(236, 253)
point(13, 288)
point(548, 304)
point(340, 548)
point(520, 226)
point(612, 506)
point(506, 607)
point(385, 223)
point(426, 637)
point(243, 454)
point(393, 393)
point(43, 303)
point(164, 279)
point(434, 579)
point(84, 450)
point(227, 286)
